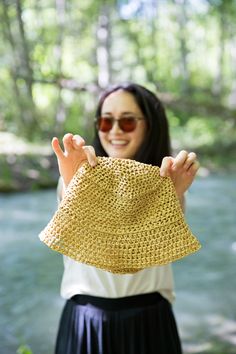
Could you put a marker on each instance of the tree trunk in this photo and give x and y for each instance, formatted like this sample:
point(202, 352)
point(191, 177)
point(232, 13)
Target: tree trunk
point(24, 52)
point(14, 64)
point(182, 21)
point(60, 112)
point(20, 67)
point(218, 85)
point(103, 48)
point(30, 116)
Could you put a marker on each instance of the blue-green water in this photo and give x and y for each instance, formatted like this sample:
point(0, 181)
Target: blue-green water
point(30, 273)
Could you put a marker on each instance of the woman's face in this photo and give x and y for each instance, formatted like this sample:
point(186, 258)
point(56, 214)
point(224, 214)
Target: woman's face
point(116, 142)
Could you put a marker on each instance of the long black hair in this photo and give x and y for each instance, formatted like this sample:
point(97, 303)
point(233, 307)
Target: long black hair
point(157, 142)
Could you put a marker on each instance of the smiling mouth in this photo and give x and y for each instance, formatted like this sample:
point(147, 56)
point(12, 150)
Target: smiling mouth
point(119, 143)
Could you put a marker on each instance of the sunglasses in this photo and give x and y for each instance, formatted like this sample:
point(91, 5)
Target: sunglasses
point(126, 124)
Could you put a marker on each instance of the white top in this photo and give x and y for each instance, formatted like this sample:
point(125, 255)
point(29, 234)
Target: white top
point(79, 278)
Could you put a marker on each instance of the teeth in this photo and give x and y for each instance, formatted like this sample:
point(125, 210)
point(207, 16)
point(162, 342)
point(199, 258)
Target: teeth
point(119, 142)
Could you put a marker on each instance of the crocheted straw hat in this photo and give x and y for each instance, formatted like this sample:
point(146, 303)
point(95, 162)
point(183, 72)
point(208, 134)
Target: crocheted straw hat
point(120, 216)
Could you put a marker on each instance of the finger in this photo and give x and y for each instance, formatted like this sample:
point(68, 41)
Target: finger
point(56, 148)
point(165, 166)
point(67, 142)
point(192, 157)
point(193, 168)
point(78, 142)
point(180, 160)
point(91, 155)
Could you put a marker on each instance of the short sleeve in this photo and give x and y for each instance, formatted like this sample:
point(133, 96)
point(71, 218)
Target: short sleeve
point(59, 190)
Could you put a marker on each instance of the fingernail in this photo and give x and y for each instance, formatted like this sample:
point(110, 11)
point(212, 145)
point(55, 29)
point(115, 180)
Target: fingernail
point(94, 163)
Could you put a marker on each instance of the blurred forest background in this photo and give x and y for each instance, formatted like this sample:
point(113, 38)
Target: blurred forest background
point(56, 56)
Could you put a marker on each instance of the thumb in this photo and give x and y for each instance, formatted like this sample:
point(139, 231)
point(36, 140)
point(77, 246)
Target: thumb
point(166, 165)
point(91, 155)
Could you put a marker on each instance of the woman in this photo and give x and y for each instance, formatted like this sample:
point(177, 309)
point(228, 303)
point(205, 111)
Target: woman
point(105, 312)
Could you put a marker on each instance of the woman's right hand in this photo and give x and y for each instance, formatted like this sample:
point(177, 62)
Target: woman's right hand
point(74, 155)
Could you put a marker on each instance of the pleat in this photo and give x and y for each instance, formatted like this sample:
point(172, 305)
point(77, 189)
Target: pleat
point(88, 329)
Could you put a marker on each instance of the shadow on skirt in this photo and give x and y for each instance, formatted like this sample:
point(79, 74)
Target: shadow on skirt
point(141, 324)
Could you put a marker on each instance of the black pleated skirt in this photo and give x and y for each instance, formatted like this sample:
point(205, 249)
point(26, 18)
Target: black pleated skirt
point(141, 324)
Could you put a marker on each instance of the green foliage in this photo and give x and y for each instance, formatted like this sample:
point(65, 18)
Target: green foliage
point(24, 349)
point(51, 73)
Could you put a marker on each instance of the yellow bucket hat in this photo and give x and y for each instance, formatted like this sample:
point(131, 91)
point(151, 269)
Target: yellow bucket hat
point(120, 216)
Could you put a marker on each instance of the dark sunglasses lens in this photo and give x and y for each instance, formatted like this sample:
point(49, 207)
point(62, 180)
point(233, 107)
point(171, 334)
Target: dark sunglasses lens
point(104, 124)
point(127, 124)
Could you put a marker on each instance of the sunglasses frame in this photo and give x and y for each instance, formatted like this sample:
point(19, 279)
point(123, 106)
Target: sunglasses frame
point(113, 120)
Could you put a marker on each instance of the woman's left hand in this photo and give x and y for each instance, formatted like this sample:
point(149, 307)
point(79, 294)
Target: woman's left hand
point(182, 170)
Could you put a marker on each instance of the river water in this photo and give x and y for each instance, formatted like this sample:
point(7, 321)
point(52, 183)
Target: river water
point(30, 273)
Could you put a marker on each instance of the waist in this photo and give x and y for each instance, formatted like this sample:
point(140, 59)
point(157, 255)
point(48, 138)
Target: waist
point(119, 303)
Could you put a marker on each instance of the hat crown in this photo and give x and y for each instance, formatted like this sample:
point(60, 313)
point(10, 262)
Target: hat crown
point(122, 177)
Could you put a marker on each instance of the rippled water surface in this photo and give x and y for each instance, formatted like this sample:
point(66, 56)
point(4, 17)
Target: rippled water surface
point(30, 273)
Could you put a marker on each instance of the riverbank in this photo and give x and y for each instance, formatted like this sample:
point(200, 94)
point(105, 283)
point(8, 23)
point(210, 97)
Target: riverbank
point(30, 166)
point(25, 166)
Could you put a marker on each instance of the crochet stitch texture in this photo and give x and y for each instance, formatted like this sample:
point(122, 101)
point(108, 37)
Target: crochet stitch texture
point(120, 216)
